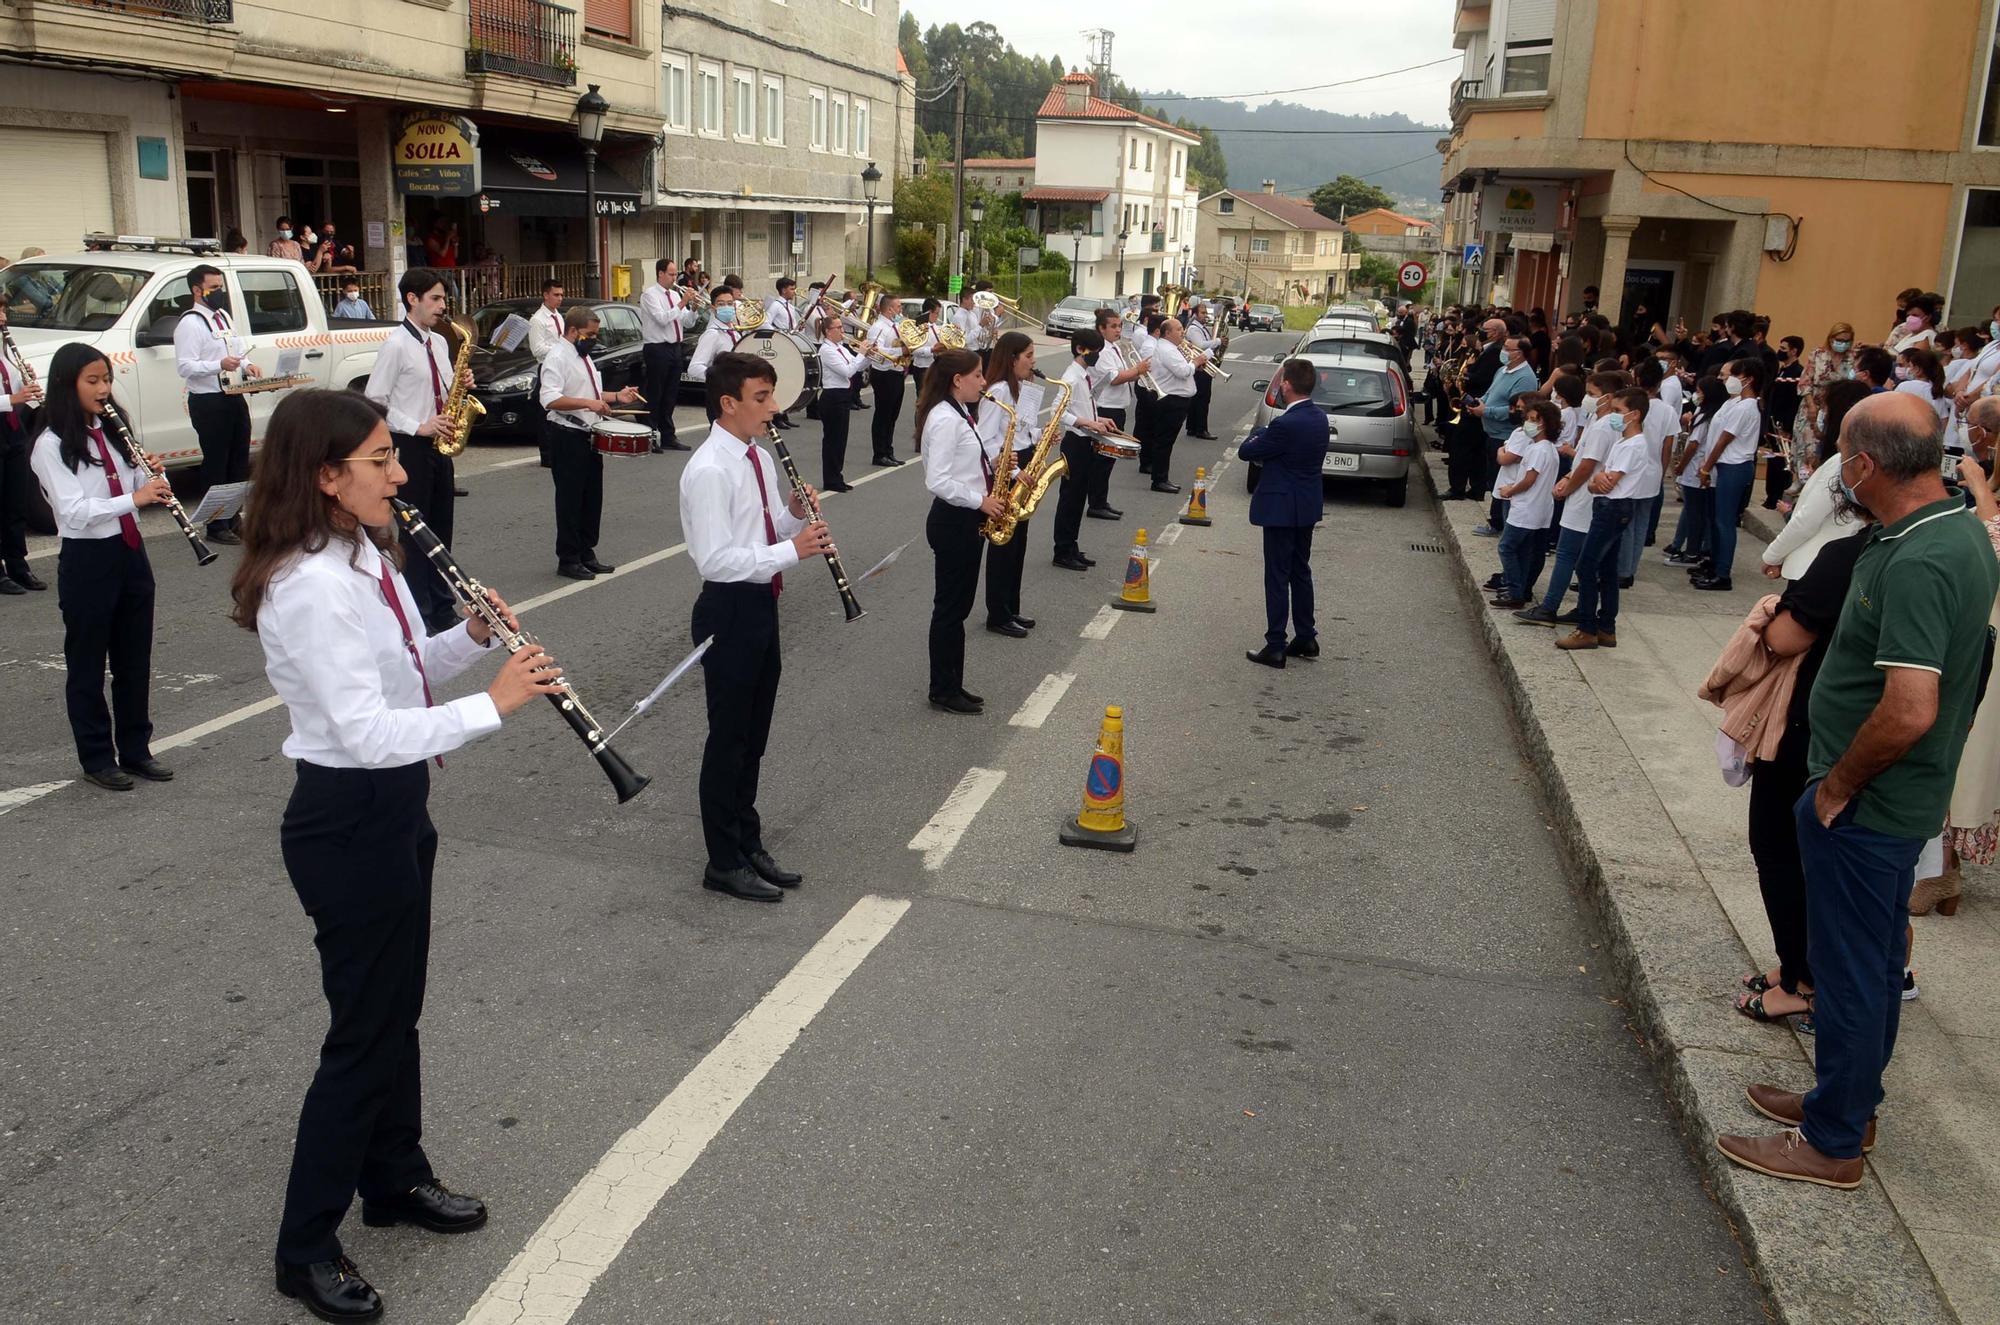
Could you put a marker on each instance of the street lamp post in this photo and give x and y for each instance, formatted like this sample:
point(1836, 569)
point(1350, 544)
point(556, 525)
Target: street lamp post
point(978, 211)
point(590, 112)
point(1118, 287)
point(1186, 249)
point(871, 185)
point(1076, 255)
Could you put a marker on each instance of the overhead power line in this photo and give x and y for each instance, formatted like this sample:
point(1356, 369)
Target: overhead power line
point(1316, 87)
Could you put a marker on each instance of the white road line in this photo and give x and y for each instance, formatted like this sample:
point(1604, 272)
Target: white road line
point(214, 725)
point(1170, 535)
point(19, 796)
point(549, 1279)
point(1099, 626)
point(578, 586)
point(1043, 702)
point(936, 838)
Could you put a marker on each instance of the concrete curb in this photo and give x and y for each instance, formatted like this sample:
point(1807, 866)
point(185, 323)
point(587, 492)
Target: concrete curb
point(1823, 1257)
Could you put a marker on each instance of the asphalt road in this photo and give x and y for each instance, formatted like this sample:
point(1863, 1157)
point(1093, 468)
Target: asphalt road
point(1332, 1045)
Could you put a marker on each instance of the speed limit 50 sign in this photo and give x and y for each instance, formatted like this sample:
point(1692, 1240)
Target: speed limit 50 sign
point(1412, 276)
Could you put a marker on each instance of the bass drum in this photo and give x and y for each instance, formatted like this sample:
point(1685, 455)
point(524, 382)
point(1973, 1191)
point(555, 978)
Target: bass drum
point(795, 358)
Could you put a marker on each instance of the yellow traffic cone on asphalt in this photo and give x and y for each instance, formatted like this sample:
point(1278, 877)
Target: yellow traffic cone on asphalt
point(1101, 825)
point(1197, 507)
point(1137, 595)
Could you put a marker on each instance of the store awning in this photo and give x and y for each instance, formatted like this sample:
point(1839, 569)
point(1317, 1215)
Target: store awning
point(542, 175)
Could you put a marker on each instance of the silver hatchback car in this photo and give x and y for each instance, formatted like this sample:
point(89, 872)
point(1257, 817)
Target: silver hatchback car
point(1373, 435)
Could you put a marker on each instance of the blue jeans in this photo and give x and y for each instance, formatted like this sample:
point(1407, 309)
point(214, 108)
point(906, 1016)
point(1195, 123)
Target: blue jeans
point(1597, 565)
point(1645, 515)
point(1857, 903)
point(1522, 553)
point(1732, 494)
point(1697, 517)
point(1569, 546)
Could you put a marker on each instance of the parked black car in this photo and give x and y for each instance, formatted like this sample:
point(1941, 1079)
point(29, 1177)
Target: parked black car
point(504, 381)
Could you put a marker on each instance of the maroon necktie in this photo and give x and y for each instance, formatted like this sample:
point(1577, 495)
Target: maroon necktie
point(395, 602)
point(128, 528)
point(437, 383)
point(7, 389)
point(770, 530)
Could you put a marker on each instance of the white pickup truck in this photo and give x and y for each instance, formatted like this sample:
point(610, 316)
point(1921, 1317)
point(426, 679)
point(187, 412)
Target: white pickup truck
point(127, 301)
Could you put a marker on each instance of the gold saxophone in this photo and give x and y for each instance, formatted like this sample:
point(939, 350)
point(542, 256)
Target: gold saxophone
point(461, 407)
point(1022, 491)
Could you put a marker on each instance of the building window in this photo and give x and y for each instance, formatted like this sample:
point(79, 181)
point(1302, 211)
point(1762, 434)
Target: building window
point(817, 139)
point(1525, 68)
point(1976, 280)
point(1989, 115)
point(861, 138)
point(732, 243)
point(774, 110)
point(674, 91)
point(1149, 155)
point(708, 79)
point(1260, 246)
point(613, 18)
point(743, 93)
point(1174, 226)
point(1134, 162)
point(836, 134)
point(866, 6)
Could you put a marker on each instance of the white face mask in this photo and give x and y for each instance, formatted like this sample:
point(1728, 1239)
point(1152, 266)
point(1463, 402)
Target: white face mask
point(1590, 404)
point(1733, 385)
point(1533, 427)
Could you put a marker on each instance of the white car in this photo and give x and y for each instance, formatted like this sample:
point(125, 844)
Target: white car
point(127, 302)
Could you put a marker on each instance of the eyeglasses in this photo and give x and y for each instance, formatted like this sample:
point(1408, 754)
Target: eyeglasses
point(385, 459)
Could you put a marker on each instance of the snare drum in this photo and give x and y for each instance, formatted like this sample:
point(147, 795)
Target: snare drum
point(1117, 446)
point(622, 437)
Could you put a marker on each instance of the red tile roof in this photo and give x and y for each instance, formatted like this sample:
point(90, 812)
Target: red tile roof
point(901, 67)
point(1051, 194)
point(992, 163)
point(1055, 106)
point(1292, 211)
point(1397, 217)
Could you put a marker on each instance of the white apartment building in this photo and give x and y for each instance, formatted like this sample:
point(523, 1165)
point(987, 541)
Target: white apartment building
point(1111, 192)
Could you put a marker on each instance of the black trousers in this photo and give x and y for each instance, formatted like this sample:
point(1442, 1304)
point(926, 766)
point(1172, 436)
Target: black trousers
point(663, 385)
point(1204, 389)
point(579, 475)
point(17, 481)
point(222, 426)
point(833, 420)
point(1099, 490)
point(1082, 459)
point(1775, 787)
point(105, 593)
point(1777, 477)
point(1168, 416)
point(359, 846)
point(953, 533)
point(740, 671)
point(428, 488)
point(1146, 430)
point(1288, 583)
point(888, 407)
point(917, 372)
point(1465, 458)
point(1004, 565)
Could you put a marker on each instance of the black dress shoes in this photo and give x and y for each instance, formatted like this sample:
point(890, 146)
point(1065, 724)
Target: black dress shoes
point(1270, 656)
point(1161, 486)
point(969, 697)
point(1302, 649)
point(1010, 628)
point(332, 1290)
point(1088, 562)
point(111, 779)
point(457, 491)
point(575, 570)
point(8, 585)
point(27, 579)
point(148, 768)
point(840, 485)
point(429, 1205)
point(226, 537)
point(886, 461)
point(1205, 436)
point(1072, 563)
point(1713, 585)
point(1025, 622)
point(770, 871)
point(1105, 513)
point(596, 567)
point(739, 883)
point(962, 704)
point(675, 444)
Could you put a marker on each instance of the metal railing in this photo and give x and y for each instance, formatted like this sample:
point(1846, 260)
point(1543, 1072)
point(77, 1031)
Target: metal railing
point(1464, 90)
point(469, 287)
point(188, 11)
point(1159, 241)
point(526, 38)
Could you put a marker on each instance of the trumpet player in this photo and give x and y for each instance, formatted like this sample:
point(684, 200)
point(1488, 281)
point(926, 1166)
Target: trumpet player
point(1177, 374)
point(1201, 338)
point(574, 397)
point(888, 366)
point(412, 377)
point(664, 317)
point(1011, 384)
point(17, 397)
point(839, 378)
point(201, 357)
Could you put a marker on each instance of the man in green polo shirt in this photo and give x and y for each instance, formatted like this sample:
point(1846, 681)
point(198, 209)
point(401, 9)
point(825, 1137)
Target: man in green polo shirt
point(1890, 712)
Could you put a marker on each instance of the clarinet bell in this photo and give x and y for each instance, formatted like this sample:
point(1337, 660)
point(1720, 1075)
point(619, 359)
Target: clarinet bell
point(203, 553)
point(624, 780)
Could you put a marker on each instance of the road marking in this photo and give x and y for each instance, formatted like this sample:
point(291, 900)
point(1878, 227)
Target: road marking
point(1169, 536)
point(936, 838)
point(19, 796)
point(549, 1279)
point(1099, 626)
point(1043, 702)
point(578, 586)
point(214, 725)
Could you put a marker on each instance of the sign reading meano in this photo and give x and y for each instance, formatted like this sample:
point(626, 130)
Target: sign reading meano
point(437, 154)
point(1509, 207)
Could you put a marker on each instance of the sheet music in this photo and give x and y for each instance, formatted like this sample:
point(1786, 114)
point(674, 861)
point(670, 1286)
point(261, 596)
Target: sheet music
point(509, 335)
point(221, 502)
point(288, 362)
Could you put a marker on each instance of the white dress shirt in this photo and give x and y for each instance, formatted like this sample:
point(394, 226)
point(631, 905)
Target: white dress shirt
point(10, 382)
point(81, 499)
point(953, 447)
point(1200, 337)
point(336, 655)
point(1110, 363)
point(838, 366)
point(1082, 406)
point(1139, 345)
point(781, 313)
point(926, 356)
point(1172, 370)
point(722, 512)
point(1027, 417)
point(567, 373)
point(715, 339)
point(545, 331)
point(884, 338)
point(402, 385)
point(200, 344)
point(663, 314)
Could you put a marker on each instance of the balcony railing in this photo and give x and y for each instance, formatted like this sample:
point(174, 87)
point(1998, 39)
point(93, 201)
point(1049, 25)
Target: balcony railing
point(1159, 244)
point(187, 11)
point(1464, 90)
point(526, 38)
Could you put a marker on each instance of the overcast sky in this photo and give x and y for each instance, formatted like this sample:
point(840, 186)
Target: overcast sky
point(1219, 47)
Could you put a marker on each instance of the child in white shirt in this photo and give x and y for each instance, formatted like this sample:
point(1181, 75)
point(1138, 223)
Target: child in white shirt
point(1527, 481)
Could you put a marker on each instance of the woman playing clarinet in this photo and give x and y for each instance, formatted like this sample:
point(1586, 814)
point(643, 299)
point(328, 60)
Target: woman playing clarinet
point(321, 583)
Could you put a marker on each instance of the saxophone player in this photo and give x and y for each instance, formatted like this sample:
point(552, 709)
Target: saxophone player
point(1012, 385)
point(572, 395)
point(412, 377)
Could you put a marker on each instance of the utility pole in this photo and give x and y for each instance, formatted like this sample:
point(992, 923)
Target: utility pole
point(958, 185)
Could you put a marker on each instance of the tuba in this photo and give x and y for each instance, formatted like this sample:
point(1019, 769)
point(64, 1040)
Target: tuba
point(461, 408)
point(1021, 492)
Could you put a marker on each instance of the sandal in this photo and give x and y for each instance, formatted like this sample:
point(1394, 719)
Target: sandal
point(1752, 1006)
point(1756, 983)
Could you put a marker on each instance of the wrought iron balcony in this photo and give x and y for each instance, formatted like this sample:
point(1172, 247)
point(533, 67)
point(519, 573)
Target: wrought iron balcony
point(526, 38)
point(214, 12)
point(1464, 90)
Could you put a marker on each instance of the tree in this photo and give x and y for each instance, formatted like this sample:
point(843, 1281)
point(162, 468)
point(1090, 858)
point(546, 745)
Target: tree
point(924, 199)
point(1208, 171)
point(1376, 270)
point(1353, 195)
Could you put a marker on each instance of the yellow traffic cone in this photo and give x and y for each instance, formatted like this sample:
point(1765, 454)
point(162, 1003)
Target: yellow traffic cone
point(1137, 595)
point(1101, 824)
point(1197, 507)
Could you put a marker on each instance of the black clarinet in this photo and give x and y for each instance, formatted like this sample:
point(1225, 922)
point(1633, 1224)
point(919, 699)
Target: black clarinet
point(473, 595)
point(848, 603)
point(203, 554)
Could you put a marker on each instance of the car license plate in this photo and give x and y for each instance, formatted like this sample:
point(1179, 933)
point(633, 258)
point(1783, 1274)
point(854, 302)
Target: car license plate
point(1341, 460)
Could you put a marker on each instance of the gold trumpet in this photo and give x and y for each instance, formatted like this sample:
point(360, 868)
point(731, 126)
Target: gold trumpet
point(1208, 367)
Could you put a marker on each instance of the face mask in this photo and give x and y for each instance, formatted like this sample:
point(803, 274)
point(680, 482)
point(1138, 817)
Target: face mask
point(284, 234)
point(1994, 328)
point(726, 315)
point(1840, 346)
point(1914, 322)
point(1617, 425)
point(217, 298)
point(1733, 385)
point(1533, 427)
point(1848, 495)
point(586, 345)
point(351, 294)
point(1090, 359)
point(1590, 404)
point(1904, 372)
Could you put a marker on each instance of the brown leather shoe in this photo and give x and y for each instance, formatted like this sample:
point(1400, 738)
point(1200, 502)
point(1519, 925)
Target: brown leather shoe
point(1789, 1155)
point(1789, 1107)
point(1576, 639)
point(1607, 639)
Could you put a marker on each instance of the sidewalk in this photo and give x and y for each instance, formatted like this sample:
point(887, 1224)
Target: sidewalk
point(1626, 754)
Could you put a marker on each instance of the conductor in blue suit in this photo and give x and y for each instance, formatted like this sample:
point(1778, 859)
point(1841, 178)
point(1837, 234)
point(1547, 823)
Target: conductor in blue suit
point(1288, 502)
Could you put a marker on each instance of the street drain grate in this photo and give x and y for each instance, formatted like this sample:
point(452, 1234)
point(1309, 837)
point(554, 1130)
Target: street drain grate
point(1426, 547)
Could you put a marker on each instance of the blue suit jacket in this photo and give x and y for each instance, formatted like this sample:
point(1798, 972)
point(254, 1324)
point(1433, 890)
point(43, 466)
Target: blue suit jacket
point(1291, 448)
